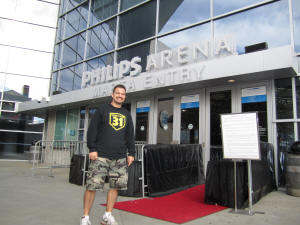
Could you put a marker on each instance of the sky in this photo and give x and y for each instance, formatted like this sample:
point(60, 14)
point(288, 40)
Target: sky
point(17, 60)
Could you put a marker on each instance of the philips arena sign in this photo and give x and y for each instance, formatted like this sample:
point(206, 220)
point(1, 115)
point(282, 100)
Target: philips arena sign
point(168, 67)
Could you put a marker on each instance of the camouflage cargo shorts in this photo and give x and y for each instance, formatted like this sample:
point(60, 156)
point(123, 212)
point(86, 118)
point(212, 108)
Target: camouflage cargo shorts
point(115, 169)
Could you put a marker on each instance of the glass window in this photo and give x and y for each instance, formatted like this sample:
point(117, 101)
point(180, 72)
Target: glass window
point(174, 14)
point(10, 106)
point(100, 62)
point(66, 79)
point(57, 53)
point(297, 79)
point(142, 128)
point(192, 35)
point(60, 28)
point(283, 98)
point(125, 4)
point(72, 125)
point(137, 24)
point(141, 50)
point(53, 82)
point(60, 125)
point(76, 20)
point(296, 20)
point(221, 6)
point(73, 49)
point(102, 38)
point(102, 9)
point(82, 117)
point(66, 5)
point(258, 25)
point(189, 132)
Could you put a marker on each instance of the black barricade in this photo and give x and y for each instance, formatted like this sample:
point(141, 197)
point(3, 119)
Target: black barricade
point(76, 169)
point(219, 185)
point(172, 168)
point(134, 188)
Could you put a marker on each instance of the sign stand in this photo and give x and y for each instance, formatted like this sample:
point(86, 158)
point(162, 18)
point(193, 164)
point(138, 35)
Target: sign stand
point(241, 142)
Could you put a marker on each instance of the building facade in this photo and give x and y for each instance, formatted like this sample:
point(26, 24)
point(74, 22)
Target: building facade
point(184, 62)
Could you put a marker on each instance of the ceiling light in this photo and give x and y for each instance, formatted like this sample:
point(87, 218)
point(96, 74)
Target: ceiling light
point(231, 81)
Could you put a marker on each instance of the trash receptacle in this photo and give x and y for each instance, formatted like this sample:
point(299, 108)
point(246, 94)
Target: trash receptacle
point(293, 170)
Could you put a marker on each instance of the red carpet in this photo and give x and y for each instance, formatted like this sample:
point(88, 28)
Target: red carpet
point(178, 208)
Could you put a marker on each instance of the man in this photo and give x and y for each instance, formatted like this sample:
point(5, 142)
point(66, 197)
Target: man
point(110, 138)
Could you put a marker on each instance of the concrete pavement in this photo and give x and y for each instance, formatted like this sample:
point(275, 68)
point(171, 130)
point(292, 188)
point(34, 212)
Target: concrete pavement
point(43, 200)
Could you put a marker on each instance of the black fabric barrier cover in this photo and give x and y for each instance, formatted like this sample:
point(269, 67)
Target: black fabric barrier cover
point(219, 185)
point(76, 169)
point(171, 168)
point(134, 187)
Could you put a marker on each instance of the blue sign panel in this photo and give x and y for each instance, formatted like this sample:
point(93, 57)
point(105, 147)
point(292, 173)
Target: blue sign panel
point(142, 109)
point(189, 105)
point(256, 98)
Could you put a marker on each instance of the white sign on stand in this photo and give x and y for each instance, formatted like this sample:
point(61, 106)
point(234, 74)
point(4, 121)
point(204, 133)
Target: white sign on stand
point(241, 141)
point(240, 136)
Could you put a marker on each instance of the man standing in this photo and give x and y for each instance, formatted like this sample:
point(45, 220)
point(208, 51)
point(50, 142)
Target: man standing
point(110, 138)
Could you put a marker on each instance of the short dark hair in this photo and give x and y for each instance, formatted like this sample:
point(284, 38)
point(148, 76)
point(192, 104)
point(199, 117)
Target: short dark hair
point(119, 86)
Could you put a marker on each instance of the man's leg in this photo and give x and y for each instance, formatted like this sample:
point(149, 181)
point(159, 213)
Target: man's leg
point(112, 196)
point(88, 200)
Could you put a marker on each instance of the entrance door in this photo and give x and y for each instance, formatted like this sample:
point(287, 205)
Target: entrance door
point(254, 99)
point(218, 102)
point(165, 121)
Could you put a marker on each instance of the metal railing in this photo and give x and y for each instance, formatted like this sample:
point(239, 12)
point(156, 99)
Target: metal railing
point(55, 154)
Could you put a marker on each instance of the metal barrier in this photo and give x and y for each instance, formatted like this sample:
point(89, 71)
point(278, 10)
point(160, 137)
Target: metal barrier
point(55, 154)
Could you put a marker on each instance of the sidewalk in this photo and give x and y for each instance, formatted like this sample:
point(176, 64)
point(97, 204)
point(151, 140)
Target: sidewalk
point(43, 200)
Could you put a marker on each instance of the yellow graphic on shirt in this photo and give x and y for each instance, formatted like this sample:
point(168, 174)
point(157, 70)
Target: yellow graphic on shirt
point(117, 120)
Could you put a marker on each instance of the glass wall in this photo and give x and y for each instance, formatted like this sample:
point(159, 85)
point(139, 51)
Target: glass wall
point(93, 29)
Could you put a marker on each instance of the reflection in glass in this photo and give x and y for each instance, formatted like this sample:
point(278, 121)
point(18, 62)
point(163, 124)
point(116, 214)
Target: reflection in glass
point(73, 49)
point(57, 54)
point(285, 138)
point(141, 50)
point(102, 9)
point(125, 4)
point(193, 35)
point(165, 121)
point(100, 62)
point(76, 20)
point(175, 14)
point(189, 133)
point(296, 20)
point(53, 82)
point(137, 24)
point(60, 125)
point(67, 5)
point(283, 98)
point(66, 79)
point(262, 24)
point(220, 102)
point(72, 125)
point(101, 38)
point(221, 6)
point(82, 117)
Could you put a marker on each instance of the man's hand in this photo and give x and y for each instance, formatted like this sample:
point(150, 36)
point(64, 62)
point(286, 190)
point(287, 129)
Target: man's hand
point(93, 155)
point(130, 160)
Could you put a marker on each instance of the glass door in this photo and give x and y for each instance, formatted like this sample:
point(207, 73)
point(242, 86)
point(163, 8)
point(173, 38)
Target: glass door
point(165, 121)
point(219, 102)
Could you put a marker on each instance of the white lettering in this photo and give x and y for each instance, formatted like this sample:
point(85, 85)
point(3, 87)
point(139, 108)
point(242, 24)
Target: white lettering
point(137, 69)
point(166, 57)
point(86, 77)
point(151, 63)
point(182, 55)
point(124, 68)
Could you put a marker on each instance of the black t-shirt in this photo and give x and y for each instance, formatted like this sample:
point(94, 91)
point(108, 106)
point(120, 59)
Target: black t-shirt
point(111, 132)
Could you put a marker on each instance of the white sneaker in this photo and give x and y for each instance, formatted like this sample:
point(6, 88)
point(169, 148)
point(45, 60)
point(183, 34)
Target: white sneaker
point(108, 220)
point(85, 221)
